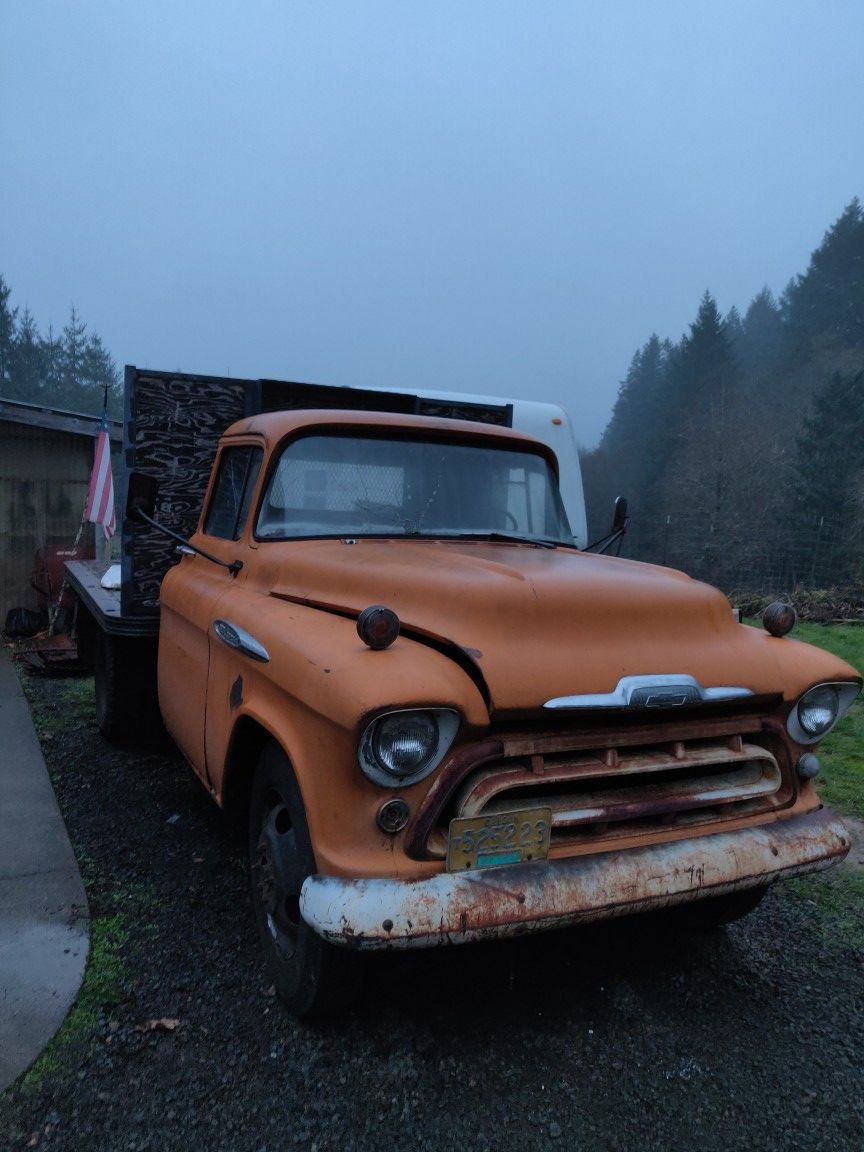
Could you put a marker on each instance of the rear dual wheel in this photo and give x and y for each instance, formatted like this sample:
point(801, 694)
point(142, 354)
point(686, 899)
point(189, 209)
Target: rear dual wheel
point(124, 677)
point(311, 976)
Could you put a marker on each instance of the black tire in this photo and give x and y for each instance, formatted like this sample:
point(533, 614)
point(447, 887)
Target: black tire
point(312, 977)
point(715, 911)
point(124, 684)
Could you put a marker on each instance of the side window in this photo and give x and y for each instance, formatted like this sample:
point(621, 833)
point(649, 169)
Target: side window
point(235, 482)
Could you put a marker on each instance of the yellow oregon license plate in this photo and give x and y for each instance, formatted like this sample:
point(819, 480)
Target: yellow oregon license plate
point(502, 838)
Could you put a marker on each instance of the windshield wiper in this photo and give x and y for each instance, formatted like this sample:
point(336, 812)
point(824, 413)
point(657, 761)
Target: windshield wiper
point(501, 537)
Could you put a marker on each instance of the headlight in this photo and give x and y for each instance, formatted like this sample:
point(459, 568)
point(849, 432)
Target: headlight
point(401, 748)
point(818, 711)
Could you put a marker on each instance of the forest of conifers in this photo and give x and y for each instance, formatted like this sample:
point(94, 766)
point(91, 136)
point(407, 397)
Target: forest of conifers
point(741, 447)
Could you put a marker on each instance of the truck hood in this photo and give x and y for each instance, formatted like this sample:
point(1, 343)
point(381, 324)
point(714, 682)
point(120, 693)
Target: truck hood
point(541, 623)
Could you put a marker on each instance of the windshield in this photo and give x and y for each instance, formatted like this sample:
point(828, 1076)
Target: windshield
point(354, 485)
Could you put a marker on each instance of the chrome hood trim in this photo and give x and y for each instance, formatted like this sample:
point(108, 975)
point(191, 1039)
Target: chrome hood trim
point(666, 690)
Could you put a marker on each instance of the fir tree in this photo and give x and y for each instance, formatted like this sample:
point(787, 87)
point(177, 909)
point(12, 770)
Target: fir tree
point(829, 468)
point(7, 337)
point(27, 365)
point(828, 300)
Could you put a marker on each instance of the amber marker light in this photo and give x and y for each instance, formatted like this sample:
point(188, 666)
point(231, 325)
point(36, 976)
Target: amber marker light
point(779, 618)
point(377, 626)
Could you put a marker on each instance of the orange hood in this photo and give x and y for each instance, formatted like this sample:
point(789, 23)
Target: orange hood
point(541, 623)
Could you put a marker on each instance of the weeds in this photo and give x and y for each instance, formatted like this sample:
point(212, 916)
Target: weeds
point(105, 986)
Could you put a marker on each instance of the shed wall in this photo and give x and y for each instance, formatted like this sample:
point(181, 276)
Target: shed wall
point(44, 476)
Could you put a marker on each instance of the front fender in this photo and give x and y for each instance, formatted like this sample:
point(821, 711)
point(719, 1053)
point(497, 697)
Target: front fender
point(313, 696)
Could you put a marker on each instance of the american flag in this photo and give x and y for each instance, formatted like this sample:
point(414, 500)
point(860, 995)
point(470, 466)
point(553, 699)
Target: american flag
point(100, 498)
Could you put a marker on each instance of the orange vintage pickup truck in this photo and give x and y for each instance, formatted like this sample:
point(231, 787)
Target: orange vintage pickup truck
point(445, 721)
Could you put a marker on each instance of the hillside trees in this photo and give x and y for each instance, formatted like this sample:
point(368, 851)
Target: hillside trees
point(741, 446)
point(70, 370)
point(828, 489)
point(629, 453)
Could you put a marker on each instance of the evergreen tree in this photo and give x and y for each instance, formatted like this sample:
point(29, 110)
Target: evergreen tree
point(27, 367)
point(73, 346)
point(51, 352)
point(632, 445)
point(828, 300)
point(734, 328)
point(829, 467)
point(7, 337)
point(639, 411)
point(98, 373)
point(704, 372)
point(760, 345)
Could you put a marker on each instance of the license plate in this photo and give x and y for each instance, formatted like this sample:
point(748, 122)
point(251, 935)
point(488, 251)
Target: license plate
point(502, 838)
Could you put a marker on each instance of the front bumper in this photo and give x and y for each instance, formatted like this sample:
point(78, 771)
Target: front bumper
point(456, 907)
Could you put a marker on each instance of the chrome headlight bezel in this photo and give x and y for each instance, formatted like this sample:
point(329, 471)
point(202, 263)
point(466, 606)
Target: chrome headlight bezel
point(837, 695)
point(443, 724)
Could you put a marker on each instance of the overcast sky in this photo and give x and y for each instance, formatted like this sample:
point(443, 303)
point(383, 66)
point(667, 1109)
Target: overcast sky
point(504, 197)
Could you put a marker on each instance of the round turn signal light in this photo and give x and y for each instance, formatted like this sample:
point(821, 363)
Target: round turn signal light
point(377, 626)
point(779, 618)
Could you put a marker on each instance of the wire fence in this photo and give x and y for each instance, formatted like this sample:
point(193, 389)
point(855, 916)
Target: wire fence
point(761, 560)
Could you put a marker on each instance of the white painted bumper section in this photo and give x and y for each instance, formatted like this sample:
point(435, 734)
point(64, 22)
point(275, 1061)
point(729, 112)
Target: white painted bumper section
point(452, 908)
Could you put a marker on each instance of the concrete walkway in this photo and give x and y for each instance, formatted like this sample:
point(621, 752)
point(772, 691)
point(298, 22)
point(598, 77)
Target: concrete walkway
point(44, 919)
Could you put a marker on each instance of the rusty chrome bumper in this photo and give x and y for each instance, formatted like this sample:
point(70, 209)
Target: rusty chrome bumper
point(456, 907)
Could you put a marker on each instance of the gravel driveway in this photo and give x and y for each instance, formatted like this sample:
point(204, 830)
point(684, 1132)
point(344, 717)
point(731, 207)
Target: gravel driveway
point(634, 1035)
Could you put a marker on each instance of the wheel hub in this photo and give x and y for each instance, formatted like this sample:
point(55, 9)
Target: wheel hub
point(279, 878)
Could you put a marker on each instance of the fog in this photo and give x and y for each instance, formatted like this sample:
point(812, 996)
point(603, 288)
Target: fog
point(500, 197)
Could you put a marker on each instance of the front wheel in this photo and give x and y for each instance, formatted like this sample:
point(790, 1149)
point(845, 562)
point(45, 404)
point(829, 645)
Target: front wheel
point(311, 976)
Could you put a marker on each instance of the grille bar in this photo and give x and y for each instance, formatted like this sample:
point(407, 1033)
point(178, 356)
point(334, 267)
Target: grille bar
point(750, 780)
point(654, 780)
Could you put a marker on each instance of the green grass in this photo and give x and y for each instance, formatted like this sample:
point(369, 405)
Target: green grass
point(105, 986)
point(844, 640)
point(58, 709)
point(842, 753)
point(72, 707)
point(839, 897)
point(107, 978)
